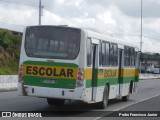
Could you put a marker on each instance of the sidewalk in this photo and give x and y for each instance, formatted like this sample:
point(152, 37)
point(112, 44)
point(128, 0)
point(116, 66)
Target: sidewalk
point(149, 76)
point(8, 83)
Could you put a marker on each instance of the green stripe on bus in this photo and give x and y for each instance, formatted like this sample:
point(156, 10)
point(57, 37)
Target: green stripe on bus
point(111, 81)
point(58, 82)
point(51, 64)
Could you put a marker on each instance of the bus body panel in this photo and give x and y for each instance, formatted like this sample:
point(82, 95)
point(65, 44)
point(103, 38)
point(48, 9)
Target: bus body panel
point(50, 74)
point(57, 78)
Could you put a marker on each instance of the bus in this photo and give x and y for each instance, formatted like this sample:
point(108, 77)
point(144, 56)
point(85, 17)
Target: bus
point(65, 63)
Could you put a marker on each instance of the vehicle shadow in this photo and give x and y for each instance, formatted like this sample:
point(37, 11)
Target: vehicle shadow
point(77, 109)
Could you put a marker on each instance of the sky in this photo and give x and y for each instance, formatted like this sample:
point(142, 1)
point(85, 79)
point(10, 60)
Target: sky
point(117, 18)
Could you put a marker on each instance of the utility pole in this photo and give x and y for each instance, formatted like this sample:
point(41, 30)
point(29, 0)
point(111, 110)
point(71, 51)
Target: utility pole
point(40, 11)
point(141, 29)
point(141, 38)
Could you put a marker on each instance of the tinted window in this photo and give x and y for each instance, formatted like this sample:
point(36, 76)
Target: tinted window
point(89, 52)
point(126, 56)
point(113, 54)
point(100, 54)
point(52, 42)
point(103, 54)
point(132, 56)
point(107, 53)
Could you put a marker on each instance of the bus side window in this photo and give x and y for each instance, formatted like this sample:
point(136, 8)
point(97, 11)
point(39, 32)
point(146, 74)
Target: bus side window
point(113, 54)
point(100, 54)
point(126, 56)
point(132, 57)
point(103, 54)
point(89, 48)
point(107, 54)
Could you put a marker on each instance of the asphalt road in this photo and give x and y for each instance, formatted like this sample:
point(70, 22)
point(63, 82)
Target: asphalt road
point(10, 101)
point(149, 108)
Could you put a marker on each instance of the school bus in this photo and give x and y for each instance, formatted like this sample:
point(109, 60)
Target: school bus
point(64, 63)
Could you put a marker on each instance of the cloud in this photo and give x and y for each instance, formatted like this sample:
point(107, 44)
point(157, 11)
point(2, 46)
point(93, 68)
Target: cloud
point(132, 8)
point(106, 17)
point(17, 16)
point(119, 18)
point(151, 45)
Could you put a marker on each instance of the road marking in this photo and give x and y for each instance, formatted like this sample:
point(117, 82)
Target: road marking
point(97, 118)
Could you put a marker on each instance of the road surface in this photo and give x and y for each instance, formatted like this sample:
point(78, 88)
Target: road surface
point(10, 101)
point(148, 109)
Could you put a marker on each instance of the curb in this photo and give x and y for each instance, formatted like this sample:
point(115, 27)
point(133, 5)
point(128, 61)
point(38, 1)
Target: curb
point(8, 90)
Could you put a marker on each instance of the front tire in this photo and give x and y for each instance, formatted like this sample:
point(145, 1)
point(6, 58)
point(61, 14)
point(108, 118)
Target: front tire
point(58, 102)
point(104, 102)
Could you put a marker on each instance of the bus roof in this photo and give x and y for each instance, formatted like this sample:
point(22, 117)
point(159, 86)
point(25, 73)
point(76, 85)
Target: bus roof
point(95, 35)
point(108, 38)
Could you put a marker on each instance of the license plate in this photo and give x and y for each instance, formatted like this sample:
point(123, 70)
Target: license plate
point(49, 81)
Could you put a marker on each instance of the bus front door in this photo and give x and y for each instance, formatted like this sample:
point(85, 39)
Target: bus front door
point(94, 68)
point(120, 71)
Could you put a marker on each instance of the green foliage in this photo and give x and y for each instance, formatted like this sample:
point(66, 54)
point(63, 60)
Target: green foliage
point(151, 56)
point(16, 41)
point(9, 52)
point(5, 40)
point(8, 71)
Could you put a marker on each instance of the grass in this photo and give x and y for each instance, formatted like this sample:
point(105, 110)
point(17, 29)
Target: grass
point(9, 69)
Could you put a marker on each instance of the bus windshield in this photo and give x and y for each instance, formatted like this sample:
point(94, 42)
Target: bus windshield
point(52, 42)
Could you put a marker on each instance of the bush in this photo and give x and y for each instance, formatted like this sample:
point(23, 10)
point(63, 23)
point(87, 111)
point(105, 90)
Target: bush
point(9, 52)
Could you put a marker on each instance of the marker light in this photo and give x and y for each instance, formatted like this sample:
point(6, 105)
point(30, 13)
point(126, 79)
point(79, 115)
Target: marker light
point(80, 73)
point(20, 69)
point(20, 74)
point(80, 78)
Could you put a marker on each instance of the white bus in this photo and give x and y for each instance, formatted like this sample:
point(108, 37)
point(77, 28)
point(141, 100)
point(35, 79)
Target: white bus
point(60, 63)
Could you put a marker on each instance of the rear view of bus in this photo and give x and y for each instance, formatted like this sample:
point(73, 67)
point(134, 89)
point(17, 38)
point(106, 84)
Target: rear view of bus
point(49, 63)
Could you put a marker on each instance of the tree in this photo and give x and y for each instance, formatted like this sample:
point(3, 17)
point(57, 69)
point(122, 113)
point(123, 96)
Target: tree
point(5, 40)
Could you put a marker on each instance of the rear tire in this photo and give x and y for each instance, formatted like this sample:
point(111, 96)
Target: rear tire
point(104, 102)
point(58, 102)
point(125, 98)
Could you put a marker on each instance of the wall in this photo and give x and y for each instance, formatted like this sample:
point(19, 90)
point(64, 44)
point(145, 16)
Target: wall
point(8, 82)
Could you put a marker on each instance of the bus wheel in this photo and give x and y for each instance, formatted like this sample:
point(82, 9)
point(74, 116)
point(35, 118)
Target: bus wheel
point(125, 98)
point(104, 102)
point(58, 102)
